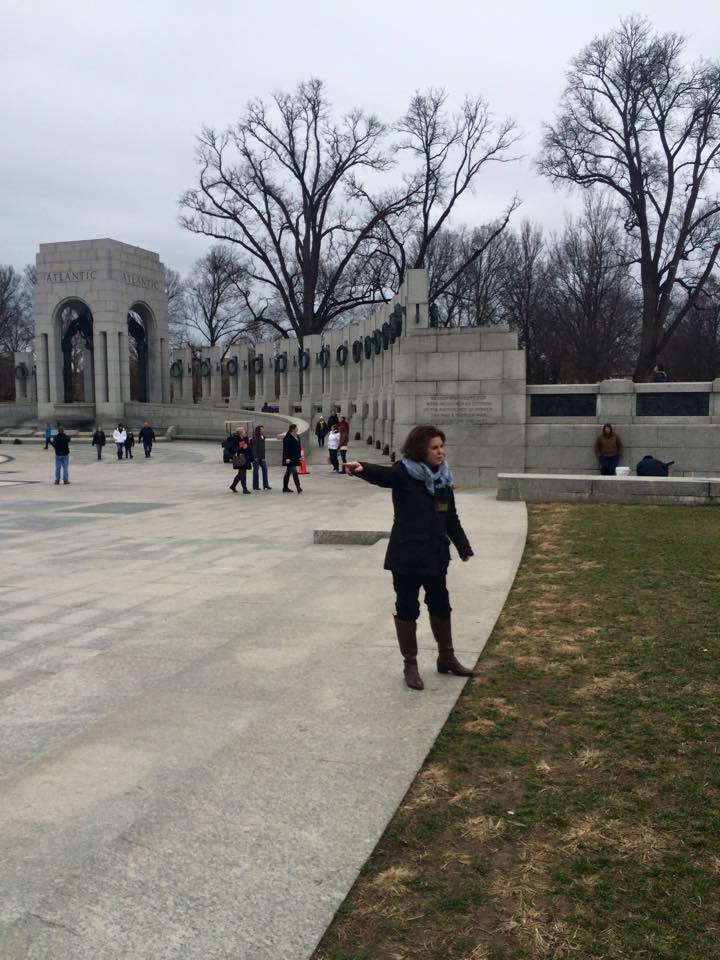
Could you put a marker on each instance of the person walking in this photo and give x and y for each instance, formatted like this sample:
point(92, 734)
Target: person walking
point(659, 374)
point(119, 436)
point(344, 441)
point(608, 450)
point(291, 458)
point(129, 444)
point(61, 443)
point(321, 429)
point(241, 458)
point(333, 443)
point(257, 449)
point(343, 424)
point(418, 554)
point(48, 435)
point(98, 441)
point(147, 438)
point(332, 420)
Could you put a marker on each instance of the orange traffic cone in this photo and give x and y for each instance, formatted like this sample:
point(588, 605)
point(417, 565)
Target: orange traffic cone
point(303, 466)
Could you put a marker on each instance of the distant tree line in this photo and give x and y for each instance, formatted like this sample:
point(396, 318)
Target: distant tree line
point(313, 217)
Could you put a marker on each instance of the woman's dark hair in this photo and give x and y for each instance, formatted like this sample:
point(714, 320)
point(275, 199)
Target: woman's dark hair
point(418, 440)
point(293, 426)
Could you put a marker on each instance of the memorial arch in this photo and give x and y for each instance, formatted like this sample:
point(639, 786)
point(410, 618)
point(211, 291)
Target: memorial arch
point(101, 335)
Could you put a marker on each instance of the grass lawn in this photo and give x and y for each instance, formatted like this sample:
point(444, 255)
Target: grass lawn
point(571, 805)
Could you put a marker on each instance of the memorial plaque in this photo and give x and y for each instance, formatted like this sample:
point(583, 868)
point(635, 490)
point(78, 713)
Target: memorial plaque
point(563, 404)
point(474, 409)
point(672, 404)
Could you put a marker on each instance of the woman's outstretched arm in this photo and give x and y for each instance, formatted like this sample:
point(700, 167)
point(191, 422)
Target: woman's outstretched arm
point(373, 473)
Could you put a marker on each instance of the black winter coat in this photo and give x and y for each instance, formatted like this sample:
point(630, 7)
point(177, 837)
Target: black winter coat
point(257, 445)
point(291, 449)
point(98, 438)
point(423, 526)
point(147, 435)
point(61, 442)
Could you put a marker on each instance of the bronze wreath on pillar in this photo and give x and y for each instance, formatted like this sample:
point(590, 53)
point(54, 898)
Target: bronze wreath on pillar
point(257, 364)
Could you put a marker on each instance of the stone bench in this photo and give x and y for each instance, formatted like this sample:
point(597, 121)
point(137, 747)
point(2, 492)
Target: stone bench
point(554, 487)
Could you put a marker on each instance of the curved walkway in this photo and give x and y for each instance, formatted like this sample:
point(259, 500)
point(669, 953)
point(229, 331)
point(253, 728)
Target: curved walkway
point(203, 725)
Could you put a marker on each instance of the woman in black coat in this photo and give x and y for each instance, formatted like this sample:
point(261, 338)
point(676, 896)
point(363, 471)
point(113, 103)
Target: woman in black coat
point(239, 446)
point(418, 554)
point(291, 459)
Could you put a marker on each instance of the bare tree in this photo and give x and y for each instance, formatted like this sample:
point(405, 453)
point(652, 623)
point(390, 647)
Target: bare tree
point(591, 300)
point(214, 313)
point(524, 296)
point(694, 352)
point(285, 185)
point(636, 120)
point(450, 151)
point(175, 293)
point(16, 326)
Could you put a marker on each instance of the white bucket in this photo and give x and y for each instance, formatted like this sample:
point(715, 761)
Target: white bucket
point(622, 471)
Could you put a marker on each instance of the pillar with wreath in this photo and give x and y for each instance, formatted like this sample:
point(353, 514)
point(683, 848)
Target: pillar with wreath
point(25, 382)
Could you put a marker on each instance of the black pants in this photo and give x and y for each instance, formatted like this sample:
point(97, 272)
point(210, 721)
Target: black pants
point(147, 447)
point(241, 478)
point(334, 460)
point(407, 588)
point(291, 471)
point(321, 441)
point(607, 466)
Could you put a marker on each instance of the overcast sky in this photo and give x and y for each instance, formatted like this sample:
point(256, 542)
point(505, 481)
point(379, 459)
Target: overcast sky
point(100, 102)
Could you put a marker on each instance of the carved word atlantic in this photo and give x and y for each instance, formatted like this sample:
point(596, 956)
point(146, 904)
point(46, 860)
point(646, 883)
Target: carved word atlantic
point(136, 280)
point(70, 276)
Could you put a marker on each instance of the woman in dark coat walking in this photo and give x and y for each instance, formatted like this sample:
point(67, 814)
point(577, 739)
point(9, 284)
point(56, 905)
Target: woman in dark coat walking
point(291, 459)
point(418, 554)
point(239, 447)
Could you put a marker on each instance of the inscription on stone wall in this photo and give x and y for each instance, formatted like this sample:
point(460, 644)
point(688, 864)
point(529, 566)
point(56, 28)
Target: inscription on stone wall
point(475, 409)
point(70, 276)
point(137, 280)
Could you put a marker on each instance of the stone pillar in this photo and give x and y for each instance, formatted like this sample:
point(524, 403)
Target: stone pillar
point(24, 386)
point(414, 297)
point(244, 395)
point(264, 389)
point(211, 375)
point(88, 375)
point(43, 369)
point(100, 351)
point(312, 380)
point(615, 401)
point(180, 375)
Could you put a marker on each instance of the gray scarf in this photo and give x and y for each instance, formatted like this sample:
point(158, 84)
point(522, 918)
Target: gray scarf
point(433, 479)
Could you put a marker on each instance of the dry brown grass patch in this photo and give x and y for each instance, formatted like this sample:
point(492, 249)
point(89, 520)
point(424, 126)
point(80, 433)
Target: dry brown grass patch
point(481, 829)
point(630, 840)
point(392, 881)
point(479, 726)
point(598, 686)
point(589, 758)
point(432, 784)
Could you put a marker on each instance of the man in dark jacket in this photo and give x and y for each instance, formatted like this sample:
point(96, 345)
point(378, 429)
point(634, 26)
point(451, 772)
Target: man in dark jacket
point(147, 436)
point(98, 441)
point(418, 554)
point(291, 459)
point(650, 466)
point(257, 451)
point(61, 442)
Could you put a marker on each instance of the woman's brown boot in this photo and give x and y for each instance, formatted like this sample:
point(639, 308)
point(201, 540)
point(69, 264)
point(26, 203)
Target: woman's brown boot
point(407, 638)
point(447, 662)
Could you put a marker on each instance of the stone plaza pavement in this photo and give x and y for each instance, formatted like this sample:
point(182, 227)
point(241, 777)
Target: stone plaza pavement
point(203, 725)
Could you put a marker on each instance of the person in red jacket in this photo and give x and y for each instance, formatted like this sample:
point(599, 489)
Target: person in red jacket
point(418, 554)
